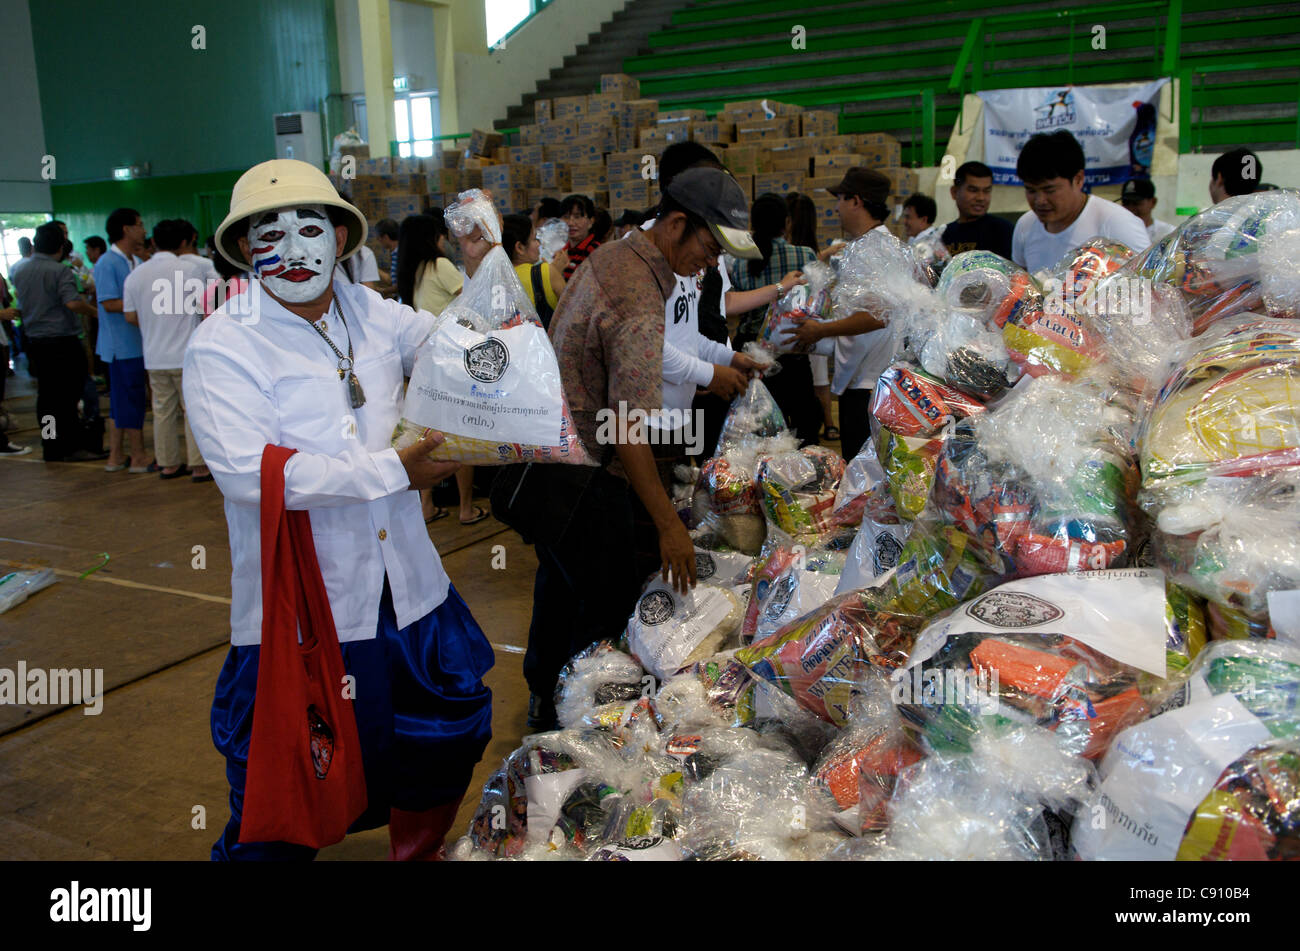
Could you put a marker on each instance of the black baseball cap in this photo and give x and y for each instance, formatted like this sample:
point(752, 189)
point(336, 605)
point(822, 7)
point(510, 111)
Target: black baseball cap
point(1137, 189)
point(866, 183)
point(716, 197)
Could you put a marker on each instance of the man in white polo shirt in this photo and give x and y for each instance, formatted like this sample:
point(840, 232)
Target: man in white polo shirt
point(1062, 215)
point(164, 298)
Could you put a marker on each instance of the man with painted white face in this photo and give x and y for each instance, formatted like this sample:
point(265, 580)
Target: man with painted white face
point(316, 364)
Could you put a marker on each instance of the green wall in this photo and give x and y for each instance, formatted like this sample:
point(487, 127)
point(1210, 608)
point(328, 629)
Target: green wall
point(120, 84)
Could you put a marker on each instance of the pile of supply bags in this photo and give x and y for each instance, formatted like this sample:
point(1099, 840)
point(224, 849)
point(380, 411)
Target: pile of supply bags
point(1051, 611)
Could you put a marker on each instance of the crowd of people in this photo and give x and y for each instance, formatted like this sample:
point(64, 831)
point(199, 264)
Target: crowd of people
point(648, 317)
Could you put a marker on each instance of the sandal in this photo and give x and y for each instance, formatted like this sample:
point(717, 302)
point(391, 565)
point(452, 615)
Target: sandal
point(152, 467)
point(832, 433)
point(479, 515)
point(437, 514)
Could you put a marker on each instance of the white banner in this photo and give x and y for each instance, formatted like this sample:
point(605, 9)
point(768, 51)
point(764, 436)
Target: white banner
point(1116, 125)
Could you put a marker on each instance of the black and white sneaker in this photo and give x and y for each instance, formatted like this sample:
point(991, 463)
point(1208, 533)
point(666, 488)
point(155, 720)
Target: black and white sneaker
point(9, 449)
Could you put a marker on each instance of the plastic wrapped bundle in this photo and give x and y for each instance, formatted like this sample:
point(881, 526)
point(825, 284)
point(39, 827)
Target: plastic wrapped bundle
point(1052, 338)
point(756, 804)
point(1067, 652)
point(1279, 281)
point(1045, 479)
point(938, 568)
point(719, 564)
point(793, 576)
point(752, 417)
point(798, 488)
point(1212, 779)
point(817, 659)
point(859, 767)
point(487, 376)
point(596, 677)
point(1140, 322)
point(910, 402)
point(985, 285)
point(863, 478)
point(1229, 410)
point(1238, 554)
point(726, 503)
point(876, 273)
point(669, 632)
point(523, 800)
point(552, 236)
point(876, 546)
point(1079, 270)
point(639, 832)
point(802, 302)
point(931, 254)
point(1220, 258)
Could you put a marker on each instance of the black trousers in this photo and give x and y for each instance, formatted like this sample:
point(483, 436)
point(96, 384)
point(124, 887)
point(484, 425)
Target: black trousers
point(792, 389)
point(586, 585)
point(59, 365)
point(855, 422)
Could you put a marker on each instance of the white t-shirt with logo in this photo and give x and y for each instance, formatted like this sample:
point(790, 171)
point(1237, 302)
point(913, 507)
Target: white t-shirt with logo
point(1034, 249)
point(689, 356)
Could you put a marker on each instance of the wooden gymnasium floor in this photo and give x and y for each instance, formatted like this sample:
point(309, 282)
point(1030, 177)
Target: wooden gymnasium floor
point(124, 784)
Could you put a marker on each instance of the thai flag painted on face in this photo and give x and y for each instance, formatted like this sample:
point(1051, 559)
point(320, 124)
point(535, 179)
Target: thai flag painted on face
point(261, 265)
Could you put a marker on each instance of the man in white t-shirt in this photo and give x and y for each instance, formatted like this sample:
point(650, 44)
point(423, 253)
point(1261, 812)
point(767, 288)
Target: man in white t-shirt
point(1139, 196)
point(361, 268)
point(164, 298)
point(189, 252)
point(1064, 216)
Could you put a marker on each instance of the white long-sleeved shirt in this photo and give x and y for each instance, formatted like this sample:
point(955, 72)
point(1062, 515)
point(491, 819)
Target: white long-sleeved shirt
point(254, 375)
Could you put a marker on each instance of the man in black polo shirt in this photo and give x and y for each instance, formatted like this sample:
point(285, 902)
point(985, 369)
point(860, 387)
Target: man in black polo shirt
point(975, 229)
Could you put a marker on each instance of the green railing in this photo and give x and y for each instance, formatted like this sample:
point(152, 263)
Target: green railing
point(978, 47)
point(1191, 133)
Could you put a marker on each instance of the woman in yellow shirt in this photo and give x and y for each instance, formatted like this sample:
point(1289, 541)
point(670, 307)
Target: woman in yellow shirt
point(426, 278)
point(520, 241)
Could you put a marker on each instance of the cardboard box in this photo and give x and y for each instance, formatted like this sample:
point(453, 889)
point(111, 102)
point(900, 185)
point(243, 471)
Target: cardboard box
point(514, 201)
point(638, 112)
point(569, 107)
point(400, 206)
point(637, 195)
point(821, 183)
point(554, 133)
point(903, 180)
point(470, 178)
point(679, 115)
point(484, 142)
point(408, 166)
point(524, 155)
point(746, 183)
point(838, 162)
point(375, 166)
point(881, 156)
point(653, 137)
point(625, 166)
point(780, 183)
point(829, 144)
point(625, 86)
point(507, 177)
point(745, 160)
point(713, 132)
point(790, 160)
point(680, 131)
point(819, 122)
point(359, 152)
point(601, 129)
point(542, 111)
point(605, 104)
point(553, 176)
point(587, 179)
point(443, 180)
point(530, 135)
point(760, 129)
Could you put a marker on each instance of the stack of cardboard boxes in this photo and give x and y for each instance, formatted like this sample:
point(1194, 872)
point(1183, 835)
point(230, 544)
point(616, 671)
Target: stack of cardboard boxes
point(606, 146)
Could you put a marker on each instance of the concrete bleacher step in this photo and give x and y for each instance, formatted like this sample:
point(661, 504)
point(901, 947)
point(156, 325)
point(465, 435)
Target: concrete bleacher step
point(624, 35)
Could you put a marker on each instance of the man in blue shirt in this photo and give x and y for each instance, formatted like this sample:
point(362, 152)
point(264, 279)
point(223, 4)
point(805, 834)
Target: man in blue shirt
point(120, 345)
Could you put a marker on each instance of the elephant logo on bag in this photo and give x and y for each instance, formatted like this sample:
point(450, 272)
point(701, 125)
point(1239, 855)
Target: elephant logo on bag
point(655, 608)
point(887, 551)
point(487, 361)
point(1013, 609)
point(705, 566)
point(322, 742)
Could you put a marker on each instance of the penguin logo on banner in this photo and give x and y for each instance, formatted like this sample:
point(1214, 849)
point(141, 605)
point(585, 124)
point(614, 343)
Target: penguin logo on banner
point(322, 742)
point(487, 361)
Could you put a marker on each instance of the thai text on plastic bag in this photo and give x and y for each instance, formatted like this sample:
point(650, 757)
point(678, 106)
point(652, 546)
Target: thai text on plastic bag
point(487, 376)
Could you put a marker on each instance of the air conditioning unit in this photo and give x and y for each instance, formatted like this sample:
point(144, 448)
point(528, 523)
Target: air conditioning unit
point(297, 136)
